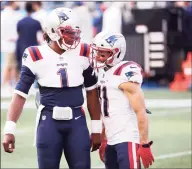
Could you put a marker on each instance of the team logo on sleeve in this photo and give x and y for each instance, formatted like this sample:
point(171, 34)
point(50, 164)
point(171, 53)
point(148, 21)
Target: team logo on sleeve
point(130, 74)
point(62, 16)
point(25, 56)
point(111, 40)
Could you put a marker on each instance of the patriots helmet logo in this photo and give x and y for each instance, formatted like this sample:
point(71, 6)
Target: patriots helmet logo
point(111, 40)
point(62, 16)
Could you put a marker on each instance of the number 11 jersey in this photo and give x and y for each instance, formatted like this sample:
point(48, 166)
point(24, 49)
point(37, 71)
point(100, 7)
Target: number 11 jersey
point(119, 119)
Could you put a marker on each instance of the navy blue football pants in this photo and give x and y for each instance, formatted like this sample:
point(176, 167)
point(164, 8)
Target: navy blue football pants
point(122, 156)
point(70, 136)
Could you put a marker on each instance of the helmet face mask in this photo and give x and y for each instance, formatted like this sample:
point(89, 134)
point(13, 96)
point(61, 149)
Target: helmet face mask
point(102, 57)
point(69, 37)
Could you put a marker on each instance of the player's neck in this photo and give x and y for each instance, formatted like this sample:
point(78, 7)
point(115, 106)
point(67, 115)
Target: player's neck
point(56, 48)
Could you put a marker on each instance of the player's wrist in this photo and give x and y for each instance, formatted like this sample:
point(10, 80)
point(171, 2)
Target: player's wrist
point(144, 139)
point(144, 142)
point(147, 144)
point(10, 127)
point(96, 126)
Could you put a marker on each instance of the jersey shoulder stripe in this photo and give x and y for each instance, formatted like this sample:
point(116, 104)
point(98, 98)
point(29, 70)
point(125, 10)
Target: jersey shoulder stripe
point(35, 53)
point(85, 50)
point(120, 68)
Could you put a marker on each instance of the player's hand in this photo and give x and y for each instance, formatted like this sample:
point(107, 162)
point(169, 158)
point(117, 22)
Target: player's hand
point(9, 143)
point(102, 150)
point(95, 141)
point(144, 152)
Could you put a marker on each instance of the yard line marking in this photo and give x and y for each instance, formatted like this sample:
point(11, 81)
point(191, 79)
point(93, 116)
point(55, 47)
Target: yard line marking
point(161, 157)
point(172, 155)
point(150, 103)
point(167, 103)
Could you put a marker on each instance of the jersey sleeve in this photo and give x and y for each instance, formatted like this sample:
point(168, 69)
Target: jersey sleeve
point(27, 75)
point(27, 60)
point(130, 73)
point(90, 79)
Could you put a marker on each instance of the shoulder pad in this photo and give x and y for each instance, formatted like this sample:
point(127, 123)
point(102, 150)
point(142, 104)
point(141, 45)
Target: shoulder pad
point(34, 53)
point(128, 65)
point(84, 50)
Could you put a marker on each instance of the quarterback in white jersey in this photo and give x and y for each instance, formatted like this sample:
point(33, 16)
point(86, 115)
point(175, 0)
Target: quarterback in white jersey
point(61, 69)
point(122, 103)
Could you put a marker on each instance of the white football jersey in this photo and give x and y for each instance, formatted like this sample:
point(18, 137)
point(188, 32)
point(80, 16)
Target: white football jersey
point(119, 119)
point(52, 70)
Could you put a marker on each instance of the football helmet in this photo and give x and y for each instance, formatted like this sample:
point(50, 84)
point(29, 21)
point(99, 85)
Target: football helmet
point(60, 25)
point(107, 49)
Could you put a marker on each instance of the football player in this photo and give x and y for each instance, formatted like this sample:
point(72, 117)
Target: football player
point(62, 69)
point(122, 102)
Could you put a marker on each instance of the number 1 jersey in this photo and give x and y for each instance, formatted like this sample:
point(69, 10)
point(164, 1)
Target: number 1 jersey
point(60, 77)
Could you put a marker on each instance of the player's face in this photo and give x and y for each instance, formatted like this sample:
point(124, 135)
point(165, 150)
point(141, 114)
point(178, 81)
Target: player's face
point(102, 55)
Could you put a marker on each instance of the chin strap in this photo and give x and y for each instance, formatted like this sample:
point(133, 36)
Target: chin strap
point(62, 46)
point(59, 45)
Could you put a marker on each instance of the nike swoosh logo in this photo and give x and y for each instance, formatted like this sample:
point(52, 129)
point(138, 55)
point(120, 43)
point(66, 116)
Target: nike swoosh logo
point(77, 117)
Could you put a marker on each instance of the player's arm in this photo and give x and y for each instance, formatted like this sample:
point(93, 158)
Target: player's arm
point(131, 86)
point(27, 78)
point(136, 99)
point(103, 144)
point(20, 94)
point(93, 105)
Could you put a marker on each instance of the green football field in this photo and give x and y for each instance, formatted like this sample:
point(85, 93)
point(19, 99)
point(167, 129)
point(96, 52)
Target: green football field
point(170, 129)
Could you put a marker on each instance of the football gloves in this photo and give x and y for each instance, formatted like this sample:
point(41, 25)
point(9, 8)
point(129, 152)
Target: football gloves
point(144, 152)
point(148, 111)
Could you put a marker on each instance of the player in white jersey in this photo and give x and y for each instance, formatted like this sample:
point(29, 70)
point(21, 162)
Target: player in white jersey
point(62, 69)
point(122, 102)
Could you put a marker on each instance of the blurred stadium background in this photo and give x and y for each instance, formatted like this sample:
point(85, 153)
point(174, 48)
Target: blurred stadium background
point(159, 38)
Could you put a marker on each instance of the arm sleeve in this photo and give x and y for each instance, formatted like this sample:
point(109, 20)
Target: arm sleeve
point(27, 75)
point(90, 79)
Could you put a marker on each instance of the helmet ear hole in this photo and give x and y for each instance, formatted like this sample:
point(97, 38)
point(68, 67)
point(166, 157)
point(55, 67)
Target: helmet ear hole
point(118, 55)
point(52, 30)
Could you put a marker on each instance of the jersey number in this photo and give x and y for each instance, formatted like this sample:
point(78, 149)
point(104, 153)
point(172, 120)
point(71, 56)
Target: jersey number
point(104, 100)
point(63, 77)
